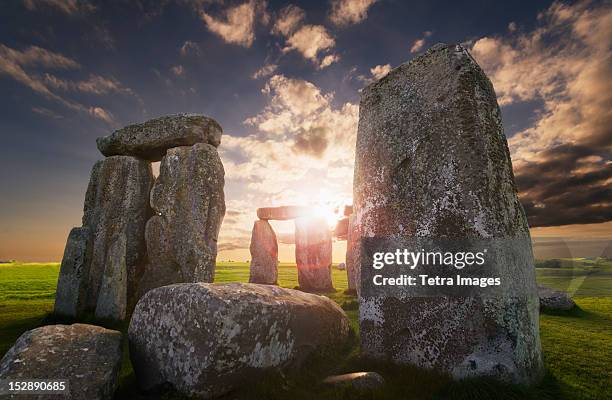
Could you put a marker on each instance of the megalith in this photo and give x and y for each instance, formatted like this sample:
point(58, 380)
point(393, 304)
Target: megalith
point(189, 206)
point(352, 255)
point(313, 254)
point(264, 254)
point(432, 162)
point(117, 203)
point(71, 295)
point(151, 139)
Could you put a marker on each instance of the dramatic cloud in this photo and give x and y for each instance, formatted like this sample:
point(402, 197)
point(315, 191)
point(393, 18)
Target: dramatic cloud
point(289, 18)
point(563, 161)
point(18, 64)
point(419, 43)
point(380, 71)
point(237, 25)
point(310, 41)
point(302, 153)
point(347, 12)
point(264, 71)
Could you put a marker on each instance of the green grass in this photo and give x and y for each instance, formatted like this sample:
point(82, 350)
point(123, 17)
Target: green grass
point(577, 346)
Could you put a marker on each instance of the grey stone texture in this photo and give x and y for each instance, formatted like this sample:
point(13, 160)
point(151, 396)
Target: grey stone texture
point(264, 254)
point(151, 139)
point(86, 355)
point(189, 204)
point(432, 161)
point(554, 300)
point(313, 254)
point(72, 283)
point(352, 255)
point(112, 299)
point(207, 339)
point(117, 203)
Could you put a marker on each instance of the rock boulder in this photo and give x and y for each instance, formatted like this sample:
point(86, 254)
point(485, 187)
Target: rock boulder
point(554, 300)
point(207, 339)
point(86, 355)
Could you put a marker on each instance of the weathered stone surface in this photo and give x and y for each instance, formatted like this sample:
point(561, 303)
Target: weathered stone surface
point(189, 202)
point(112, 300)
point(117, 202)
point(341, 229)
point(207, 339)
point(432, 161)
point(352, 256)
point(554, 300)
point(88, 356)
point(357, 380)
point(313, 254)
point(150, 140)
point(283, 213)
point(264, 254)
point(71, 295)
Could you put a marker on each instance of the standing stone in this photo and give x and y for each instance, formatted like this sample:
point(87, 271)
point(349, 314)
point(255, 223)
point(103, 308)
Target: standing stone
point(71, 295)
point(112, 300)
point(313, 254)
point(150, 140)
point(117, 201)
point(264, 254)
point(352, 256)
point(87, 356)
point(189, 204)
point(432, 161)
point(209, 339)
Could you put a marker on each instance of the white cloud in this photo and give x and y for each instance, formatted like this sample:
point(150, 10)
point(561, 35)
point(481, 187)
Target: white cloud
point(329, 60)
point(288, 20)
point(237, 25)
point(380, 71)
point(264, 71)
point(102, 114)
point(347, 12)
point(190, 48)
point(419, 43)
point(310, 41)
point(178, 70)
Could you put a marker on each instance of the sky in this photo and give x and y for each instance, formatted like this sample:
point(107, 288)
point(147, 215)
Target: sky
point(283, 80)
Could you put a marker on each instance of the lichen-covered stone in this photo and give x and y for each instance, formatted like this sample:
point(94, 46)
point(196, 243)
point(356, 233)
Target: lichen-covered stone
point(71, 294)
point(207, 339)
point(313, 254)
point(264, 254)
point(189, 204)
point(554, 300)
point(88, 356)
point(112, 299)
point(432, 161)
point(352, 256)
point(117, 202)
point(150, 140)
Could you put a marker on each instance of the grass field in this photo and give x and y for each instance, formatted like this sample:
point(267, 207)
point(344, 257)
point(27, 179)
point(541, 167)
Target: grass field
point(577, 345)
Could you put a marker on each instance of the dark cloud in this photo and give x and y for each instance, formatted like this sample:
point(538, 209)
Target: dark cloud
point(569, 184)
point(313, 142)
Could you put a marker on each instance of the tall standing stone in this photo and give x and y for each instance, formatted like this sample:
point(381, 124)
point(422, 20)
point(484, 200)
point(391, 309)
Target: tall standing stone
point(264, 254)
point(313, 254)
point(71, 294)
point(112, 300)
point(189, 204)
point(117, 202)
point(432, 161)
